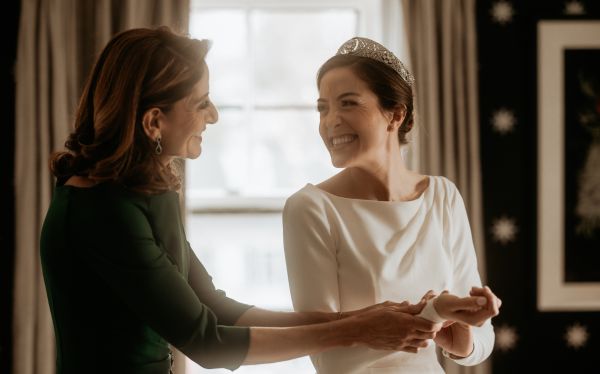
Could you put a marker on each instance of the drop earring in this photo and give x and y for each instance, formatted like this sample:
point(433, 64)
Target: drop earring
point(158, 149)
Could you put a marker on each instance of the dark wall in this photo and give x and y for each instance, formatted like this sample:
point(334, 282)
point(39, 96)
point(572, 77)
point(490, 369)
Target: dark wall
point(507, 79)
point(7, 192)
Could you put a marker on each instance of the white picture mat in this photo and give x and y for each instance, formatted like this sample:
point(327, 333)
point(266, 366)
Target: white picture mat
point(554, 294)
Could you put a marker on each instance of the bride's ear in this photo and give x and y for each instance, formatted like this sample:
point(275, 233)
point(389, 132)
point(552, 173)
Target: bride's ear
point(396, 118)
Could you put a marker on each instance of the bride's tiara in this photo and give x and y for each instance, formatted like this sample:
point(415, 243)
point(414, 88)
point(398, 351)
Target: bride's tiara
point(364, 47)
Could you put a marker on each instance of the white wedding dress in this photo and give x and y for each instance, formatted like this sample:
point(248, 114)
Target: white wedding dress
point(344, 254)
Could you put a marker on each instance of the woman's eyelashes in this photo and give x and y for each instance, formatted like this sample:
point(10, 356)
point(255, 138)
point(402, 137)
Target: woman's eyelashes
point(203, 105)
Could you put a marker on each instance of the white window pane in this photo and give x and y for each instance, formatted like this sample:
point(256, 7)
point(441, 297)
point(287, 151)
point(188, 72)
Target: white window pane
point(222, 167)
point(228, 56)
point(286, 152)
point(271, 154)
point(244, 255)
point(289, 47)
point(263, 66)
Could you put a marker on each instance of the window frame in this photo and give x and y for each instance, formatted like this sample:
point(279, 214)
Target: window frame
point(369, 16)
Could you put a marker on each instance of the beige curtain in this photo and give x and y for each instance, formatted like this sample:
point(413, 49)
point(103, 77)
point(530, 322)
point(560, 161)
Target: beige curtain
point(442, 54)
point(57, 44)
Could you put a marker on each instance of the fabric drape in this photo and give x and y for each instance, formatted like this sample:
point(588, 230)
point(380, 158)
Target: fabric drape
point(57, 44)
point(442, 51)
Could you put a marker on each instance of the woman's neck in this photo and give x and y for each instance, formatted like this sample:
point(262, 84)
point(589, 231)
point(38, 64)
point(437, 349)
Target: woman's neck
point(82, 182)
point(392, 182)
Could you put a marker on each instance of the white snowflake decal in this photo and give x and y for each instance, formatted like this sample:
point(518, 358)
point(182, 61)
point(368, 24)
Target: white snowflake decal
point(502, 12)
point(506, 338)
point(504, 230)
point(574, 8)
point(503, 121)
point(576, 336)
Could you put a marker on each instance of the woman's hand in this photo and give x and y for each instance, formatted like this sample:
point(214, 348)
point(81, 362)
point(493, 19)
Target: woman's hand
point(473, 310)
point(394, 326)
point(388, 326)
point(383, 305)
point(455, 339)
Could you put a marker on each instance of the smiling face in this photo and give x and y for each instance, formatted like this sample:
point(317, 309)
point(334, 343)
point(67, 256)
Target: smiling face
point(352, 124)
point(181, 127)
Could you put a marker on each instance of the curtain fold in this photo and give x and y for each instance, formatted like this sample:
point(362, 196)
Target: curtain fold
point(441, 36)
point(58, 42)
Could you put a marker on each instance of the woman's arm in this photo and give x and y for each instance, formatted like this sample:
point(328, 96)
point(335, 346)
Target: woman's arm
point(269, 318)
point(150, 285)
point(227, 310)
point(388, 326)
point(258, 317)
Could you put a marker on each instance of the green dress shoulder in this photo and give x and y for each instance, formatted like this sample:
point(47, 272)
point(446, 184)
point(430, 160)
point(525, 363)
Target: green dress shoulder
point(123, 284)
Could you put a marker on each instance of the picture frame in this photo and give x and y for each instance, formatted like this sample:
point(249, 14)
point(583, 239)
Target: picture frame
point(568, 234)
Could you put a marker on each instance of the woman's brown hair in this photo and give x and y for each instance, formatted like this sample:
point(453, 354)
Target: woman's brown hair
point(138, 69)
point(391, 90)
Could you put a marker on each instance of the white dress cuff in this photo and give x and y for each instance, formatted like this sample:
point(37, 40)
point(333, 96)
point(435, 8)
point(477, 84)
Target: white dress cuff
point(460, 360)
point(429, 313)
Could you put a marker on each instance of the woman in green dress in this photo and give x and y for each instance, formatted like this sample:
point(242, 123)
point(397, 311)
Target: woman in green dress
point(122, 281)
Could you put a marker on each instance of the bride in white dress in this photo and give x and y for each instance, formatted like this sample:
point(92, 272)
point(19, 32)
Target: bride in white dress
point(377, 231)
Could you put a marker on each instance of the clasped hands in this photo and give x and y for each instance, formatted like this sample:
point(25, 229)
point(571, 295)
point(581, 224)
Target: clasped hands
point(397, 326)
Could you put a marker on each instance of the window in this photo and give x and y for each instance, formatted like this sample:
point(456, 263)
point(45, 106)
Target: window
point(266, 145)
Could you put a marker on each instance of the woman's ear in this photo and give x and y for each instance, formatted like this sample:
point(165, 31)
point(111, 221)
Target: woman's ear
point(396, 118)
point(151, 122)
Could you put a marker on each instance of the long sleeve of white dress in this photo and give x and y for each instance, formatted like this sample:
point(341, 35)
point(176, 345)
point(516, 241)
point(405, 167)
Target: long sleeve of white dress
point(310, 255)
point(344, 254)
point(466, 274)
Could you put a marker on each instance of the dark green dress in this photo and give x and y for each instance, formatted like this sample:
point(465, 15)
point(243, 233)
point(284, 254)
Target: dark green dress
point(123, 283)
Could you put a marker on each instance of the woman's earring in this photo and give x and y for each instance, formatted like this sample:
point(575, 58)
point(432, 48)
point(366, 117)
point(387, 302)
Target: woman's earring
point(158, 148)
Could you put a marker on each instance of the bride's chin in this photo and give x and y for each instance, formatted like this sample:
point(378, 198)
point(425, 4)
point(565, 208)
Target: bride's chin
point(338, 164)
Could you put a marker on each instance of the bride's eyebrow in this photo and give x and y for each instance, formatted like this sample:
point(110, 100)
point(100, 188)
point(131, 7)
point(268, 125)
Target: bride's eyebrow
point(341, 96)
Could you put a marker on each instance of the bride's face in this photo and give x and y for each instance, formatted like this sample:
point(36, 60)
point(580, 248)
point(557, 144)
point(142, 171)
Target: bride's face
point(352, 124)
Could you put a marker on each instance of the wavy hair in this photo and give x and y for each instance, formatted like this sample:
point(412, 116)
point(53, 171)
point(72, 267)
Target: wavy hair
point(138, 69)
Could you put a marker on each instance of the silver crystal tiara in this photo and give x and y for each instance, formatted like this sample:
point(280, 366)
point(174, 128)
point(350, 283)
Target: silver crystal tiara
point(364, 47)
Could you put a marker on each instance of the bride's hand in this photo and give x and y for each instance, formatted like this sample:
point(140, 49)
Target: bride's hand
point(428, 296)
point(473, 310)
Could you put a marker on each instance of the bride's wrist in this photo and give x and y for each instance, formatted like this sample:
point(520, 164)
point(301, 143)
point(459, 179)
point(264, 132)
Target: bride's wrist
point(431, 312)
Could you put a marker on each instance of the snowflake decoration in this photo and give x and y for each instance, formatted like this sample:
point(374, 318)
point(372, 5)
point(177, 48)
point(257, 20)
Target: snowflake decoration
point(503, 121)
point(576, 336)
point(574, 8)
point(506, 338)
point(502, 12)
point(504, 230)
point(585, 119)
